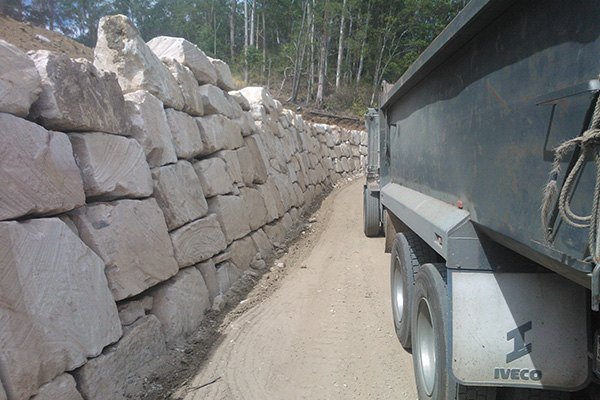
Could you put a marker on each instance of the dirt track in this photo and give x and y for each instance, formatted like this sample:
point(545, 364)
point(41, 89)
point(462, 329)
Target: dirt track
point(325, 332)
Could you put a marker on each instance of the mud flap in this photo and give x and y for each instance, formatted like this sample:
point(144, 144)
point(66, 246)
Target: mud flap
point(519, 330)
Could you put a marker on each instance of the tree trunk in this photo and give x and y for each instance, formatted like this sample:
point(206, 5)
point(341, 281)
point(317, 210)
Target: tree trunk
point(232, 30)
point(322, 69)
point(252, 23)
point(311, 81)
point(264, 39)
point(338, 71)
point(297, 61)
point(246, 41)
point(362, 46)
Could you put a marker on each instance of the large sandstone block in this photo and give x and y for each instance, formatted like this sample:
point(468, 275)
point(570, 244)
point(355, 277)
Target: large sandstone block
point(219, 132)
point(242, 252)
point(180, 302)
point(273, 203)
point(213, 176)
point(227, 275)
point(259, 96)
point(224, 78)
point(77, 97)
point(113, 374)
point(111, 166)
point(149, 126)
point(247, 124)
point(275, 233)
point(216, 101)
point(240, 99)
point(38, 174)
point(186, 135)
point(186, 53)
point(131, 237)
point(262, 242)
point(198, 241)
point(255, 208)
point(233, 165)
point(209, 273)
point(247, 161)
point(179, 194)
point(121, 49)
point(63, 388)
point(192, 100)
point(231, 214)
point(20, 82)
point(55, 306)
point(259, 156)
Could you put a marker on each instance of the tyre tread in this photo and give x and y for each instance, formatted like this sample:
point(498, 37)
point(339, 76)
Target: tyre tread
point(372, 224)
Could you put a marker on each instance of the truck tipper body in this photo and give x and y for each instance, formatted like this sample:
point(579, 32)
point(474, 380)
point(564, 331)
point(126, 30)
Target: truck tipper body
point(494, 275)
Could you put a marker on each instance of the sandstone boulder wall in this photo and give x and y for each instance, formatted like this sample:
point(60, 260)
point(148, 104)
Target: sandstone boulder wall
point(20, 82)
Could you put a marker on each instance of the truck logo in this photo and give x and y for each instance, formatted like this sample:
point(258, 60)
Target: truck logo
point(521, 348)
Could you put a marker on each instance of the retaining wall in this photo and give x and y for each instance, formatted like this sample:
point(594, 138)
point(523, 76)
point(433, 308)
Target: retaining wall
point(134, 192)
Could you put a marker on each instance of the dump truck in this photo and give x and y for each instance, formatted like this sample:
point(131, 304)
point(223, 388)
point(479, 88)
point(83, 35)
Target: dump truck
point(484, 174)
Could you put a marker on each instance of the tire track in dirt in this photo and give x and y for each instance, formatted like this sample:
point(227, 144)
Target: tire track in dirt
point(326, 332)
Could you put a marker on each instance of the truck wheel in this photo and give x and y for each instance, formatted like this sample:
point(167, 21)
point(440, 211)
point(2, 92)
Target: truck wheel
point(409, 252)
point(371, 221)
point(430, 320)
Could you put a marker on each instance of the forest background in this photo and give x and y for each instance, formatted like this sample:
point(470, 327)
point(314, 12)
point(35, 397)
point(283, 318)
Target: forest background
point(330, 55)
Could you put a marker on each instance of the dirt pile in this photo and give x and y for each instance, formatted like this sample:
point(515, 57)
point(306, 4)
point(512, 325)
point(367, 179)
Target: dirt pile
point(28, 37)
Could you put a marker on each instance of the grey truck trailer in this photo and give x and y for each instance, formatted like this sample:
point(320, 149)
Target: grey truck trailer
point(485, 177)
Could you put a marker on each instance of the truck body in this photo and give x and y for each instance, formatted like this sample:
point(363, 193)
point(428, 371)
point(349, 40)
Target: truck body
point(466, 141)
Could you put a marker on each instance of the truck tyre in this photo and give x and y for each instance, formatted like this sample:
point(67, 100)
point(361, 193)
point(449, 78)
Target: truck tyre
point(409, 252)
point(430, 320)
point(372, 225)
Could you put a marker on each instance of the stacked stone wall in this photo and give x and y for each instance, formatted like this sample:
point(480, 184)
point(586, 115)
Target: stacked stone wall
point(134, 193)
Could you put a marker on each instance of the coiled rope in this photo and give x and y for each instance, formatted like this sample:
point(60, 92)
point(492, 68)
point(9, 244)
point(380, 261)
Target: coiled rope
point(589, 143)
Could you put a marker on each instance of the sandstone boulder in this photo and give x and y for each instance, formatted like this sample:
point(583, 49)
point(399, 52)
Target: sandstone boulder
point(233, 165)
point(242, 252)
point(259, 155)
point(2, 392)
point(259, 96)
point(273, 203)
point(224, 79)
point(186, 53)
point(20, 83)
point(63, 388)
point(240, 99)
point(231, 213)
point(38, 174)
point(217, 101)
point(179, 194)
point(262, 243)
point(45, 332)
point(180, 302)
point(255, 208)
point(275, 233)
point(113, 374)
point(227, 275)
point(213, 176)
point(131, 237)
point(131, 311)
point(186, 135)
point(247, 161)
point(219, 132)
point(121, 49)
point(247, 124)
point(198, 241)
point(77, 97)
point(111, 166)
point(192, 100)
point(149, 126)
point(209, 273)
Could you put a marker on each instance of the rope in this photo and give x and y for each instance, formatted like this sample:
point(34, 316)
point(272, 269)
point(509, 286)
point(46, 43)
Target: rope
point(589, 143)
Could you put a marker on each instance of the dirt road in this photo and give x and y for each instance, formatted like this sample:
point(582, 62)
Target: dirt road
point(326, 332)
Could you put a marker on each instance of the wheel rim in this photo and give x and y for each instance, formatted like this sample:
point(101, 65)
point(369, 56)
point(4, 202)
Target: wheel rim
point(426, 345)
point(398, 291)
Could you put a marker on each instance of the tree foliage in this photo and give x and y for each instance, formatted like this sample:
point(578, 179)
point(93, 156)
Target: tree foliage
point(295, 42)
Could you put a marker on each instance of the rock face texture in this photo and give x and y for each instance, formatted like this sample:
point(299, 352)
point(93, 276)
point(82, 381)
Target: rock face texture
point(143, 258)
point(149, 126)
point(121, 49)
point(187, 54)
point(63, 387)
point(20, 83)
point(111, 166)
point(162, 191)
point(38, 174)
point(55, 306)
point(77, 97)
point(180, 302)
point(108, 376)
